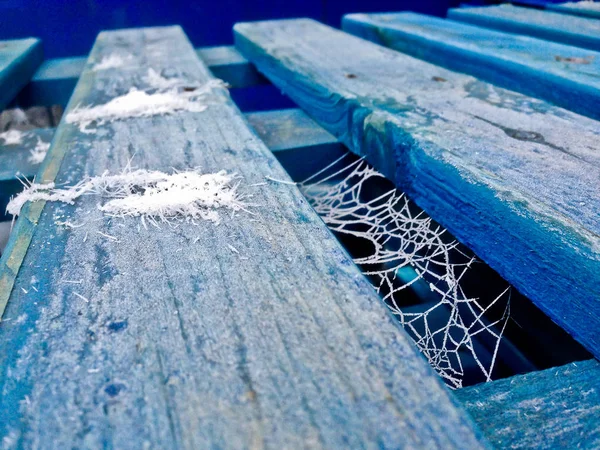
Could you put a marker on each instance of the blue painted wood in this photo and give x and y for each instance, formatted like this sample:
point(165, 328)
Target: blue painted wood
point(514, 178)
point(584, 9)
point(564, 75)
point(554, 408)
point(576, 31)
point(15, 162)
point(19, 60)
point(168, 338)
point(299, 143)
point(55, 80)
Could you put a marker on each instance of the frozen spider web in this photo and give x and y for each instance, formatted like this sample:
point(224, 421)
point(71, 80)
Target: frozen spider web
point(403, 249)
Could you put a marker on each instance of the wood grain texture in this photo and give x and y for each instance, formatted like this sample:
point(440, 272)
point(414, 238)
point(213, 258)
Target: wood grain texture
point(19, 60)
point(583, 9)
point(554, 408)
point(576, 31)
point(564, 75)
point(168, 338)
point(515, 179)
point(55, 80)
point(299, 143)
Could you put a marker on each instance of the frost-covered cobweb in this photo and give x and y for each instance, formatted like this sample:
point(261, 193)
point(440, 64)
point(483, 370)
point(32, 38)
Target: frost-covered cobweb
point(404, 252)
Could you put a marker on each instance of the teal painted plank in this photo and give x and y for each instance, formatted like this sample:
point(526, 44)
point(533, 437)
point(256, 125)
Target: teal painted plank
point(575, 31)
point(55, 80)
point(16, 160)
point(168, 338)
point(515, 179)
point(226, 63)
point(53, 83)
point(302, 146)
point(19, 60)
point(566, 76)
point(584, 9)
point(554, 408)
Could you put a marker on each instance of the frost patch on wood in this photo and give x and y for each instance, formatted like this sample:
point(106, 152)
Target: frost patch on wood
point(403, 248)
point(112, 61)
point(38, 153)
point(12, 137)
point(138, 103)
point(152, 195)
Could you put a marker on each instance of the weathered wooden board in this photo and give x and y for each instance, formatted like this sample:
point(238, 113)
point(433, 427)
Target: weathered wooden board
point(514, 178)
point(256, 332)
point(19, 60)
point(554, 408)
point(564, 75)
point(576, 31)
point(53, 83)
point(584, 8)
point(302, 146)
point(16, 161)
point(226, 63)
point(55, 80)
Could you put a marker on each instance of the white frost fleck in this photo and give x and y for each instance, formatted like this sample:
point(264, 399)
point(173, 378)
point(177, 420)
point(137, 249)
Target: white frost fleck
point(38, 153)
point(141, 104)
point(152, 195)
point(12, 137)
point(112, 62)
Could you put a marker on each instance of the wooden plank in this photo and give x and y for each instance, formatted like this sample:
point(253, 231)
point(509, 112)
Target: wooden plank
point(228, 64)
point(566, 76)
point(512, 177)
point(584, 9)
point(554, 408)
point(575, 31)
point(55, 80)
point(299, 143)
point(19, 60)
point(53, 83)
point(255, 332)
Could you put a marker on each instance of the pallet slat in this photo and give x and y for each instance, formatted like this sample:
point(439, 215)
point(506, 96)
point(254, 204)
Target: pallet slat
point(299, 143)
point(55, 80)
point(514, 178)
point(564, 75)
point(19, 60)
point(553, 408)
point(170, 338)
point(584, 8)
point(576, 31)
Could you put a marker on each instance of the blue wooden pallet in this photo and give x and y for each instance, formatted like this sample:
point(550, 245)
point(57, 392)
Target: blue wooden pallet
point(261, 331)
point(19, 59)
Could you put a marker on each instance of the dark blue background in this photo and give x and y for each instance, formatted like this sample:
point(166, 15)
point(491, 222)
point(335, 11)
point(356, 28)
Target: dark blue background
point(69, 27)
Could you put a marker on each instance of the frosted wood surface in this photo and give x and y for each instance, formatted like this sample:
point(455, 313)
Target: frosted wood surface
point(571, 30)
point(514, 178)
point(554, 408)
point(180, 341)
point(564, 75)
